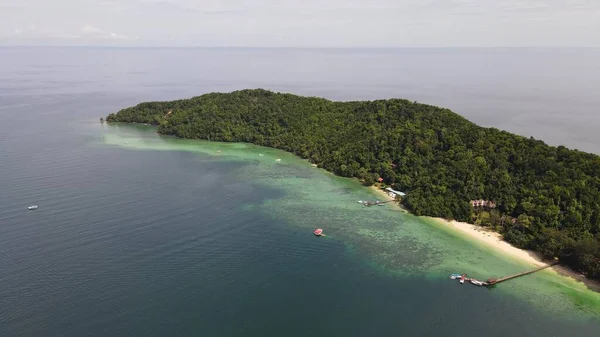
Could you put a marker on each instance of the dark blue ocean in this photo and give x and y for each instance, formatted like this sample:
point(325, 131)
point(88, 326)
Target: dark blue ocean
point(170, 243)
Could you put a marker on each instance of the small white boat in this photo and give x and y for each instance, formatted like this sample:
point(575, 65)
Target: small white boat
point(32, 207)
point(462, 279)
point(277, 160)
point(477, 283)
point(455, 276)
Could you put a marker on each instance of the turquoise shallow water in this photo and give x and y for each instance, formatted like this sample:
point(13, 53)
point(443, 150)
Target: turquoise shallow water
point(139, 234)
point(392, 241)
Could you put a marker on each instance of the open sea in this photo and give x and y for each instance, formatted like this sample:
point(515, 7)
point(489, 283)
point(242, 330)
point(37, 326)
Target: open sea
point(139, 234)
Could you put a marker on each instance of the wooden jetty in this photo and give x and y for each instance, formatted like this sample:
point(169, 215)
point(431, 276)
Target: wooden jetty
point(372, 203)
point(493, 281)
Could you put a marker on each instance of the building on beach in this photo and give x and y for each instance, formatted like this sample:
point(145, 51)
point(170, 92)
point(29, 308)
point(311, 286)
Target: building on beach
point(393, 193)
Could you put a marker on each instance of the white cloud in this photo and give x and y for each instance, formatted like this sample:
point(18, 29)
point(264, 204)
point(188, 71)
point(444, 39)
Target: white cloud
point(86, 34)
point(91, 30)
point(120, 36)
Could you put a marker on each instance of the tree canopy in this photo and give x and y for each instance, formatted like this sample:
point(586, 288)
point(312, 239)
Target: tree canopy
point(547, 197)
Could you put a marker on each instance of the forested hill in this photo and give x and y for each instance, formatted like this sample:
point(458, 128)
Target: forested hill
point(547, 198)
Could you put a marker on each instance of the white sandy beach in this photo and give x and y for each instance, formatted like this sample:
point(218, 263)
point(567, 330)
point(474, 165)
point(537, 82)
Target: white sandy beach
point(495, 241)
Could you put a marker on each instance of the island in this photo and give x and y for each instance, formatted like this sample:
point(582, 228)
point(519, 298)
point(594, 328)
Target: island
point(538, 197)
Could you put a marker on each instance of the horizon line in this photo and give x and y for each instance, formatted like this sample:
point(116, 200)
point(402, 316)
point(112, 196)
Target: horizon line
point(289, 47)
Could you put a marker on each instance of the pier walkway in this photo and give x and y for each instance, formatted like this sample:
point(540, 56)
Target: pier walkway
point(372, 203)
point(493, 281)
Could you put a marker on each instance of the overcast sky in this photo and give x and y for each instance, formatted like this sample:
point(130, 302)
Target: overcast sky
point(301, 23)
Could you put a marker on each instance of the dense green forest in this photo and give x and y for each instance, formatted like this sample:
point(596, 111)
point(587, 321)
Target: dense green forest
point(547, 198)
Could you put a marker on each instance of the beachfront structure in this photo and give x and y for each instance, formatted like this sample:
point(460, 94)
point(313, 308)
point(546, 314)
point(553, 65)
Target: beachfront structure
point(483, 203)
point(393, 193)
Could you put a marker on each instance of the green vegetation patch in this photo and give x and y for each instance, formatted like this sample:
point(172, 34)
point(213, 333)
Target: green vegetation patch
point(542, 197)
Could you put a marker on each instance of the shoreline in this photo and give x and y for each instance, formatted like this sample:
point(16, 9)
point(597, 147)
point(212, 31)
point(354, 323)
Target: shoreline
point(479, 234)
point(494, 240)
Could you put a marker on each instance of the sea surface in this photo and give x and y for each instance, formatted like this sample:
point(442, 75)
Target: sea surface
point(139, 234)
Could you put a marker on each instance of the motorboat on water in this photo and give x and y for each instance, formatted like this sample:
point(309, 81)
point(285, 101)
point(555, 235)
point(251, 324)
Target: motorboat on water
point(455, 276)
point(32, 207)
point(477, 283)
point(462, 279)
point(318, 232)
